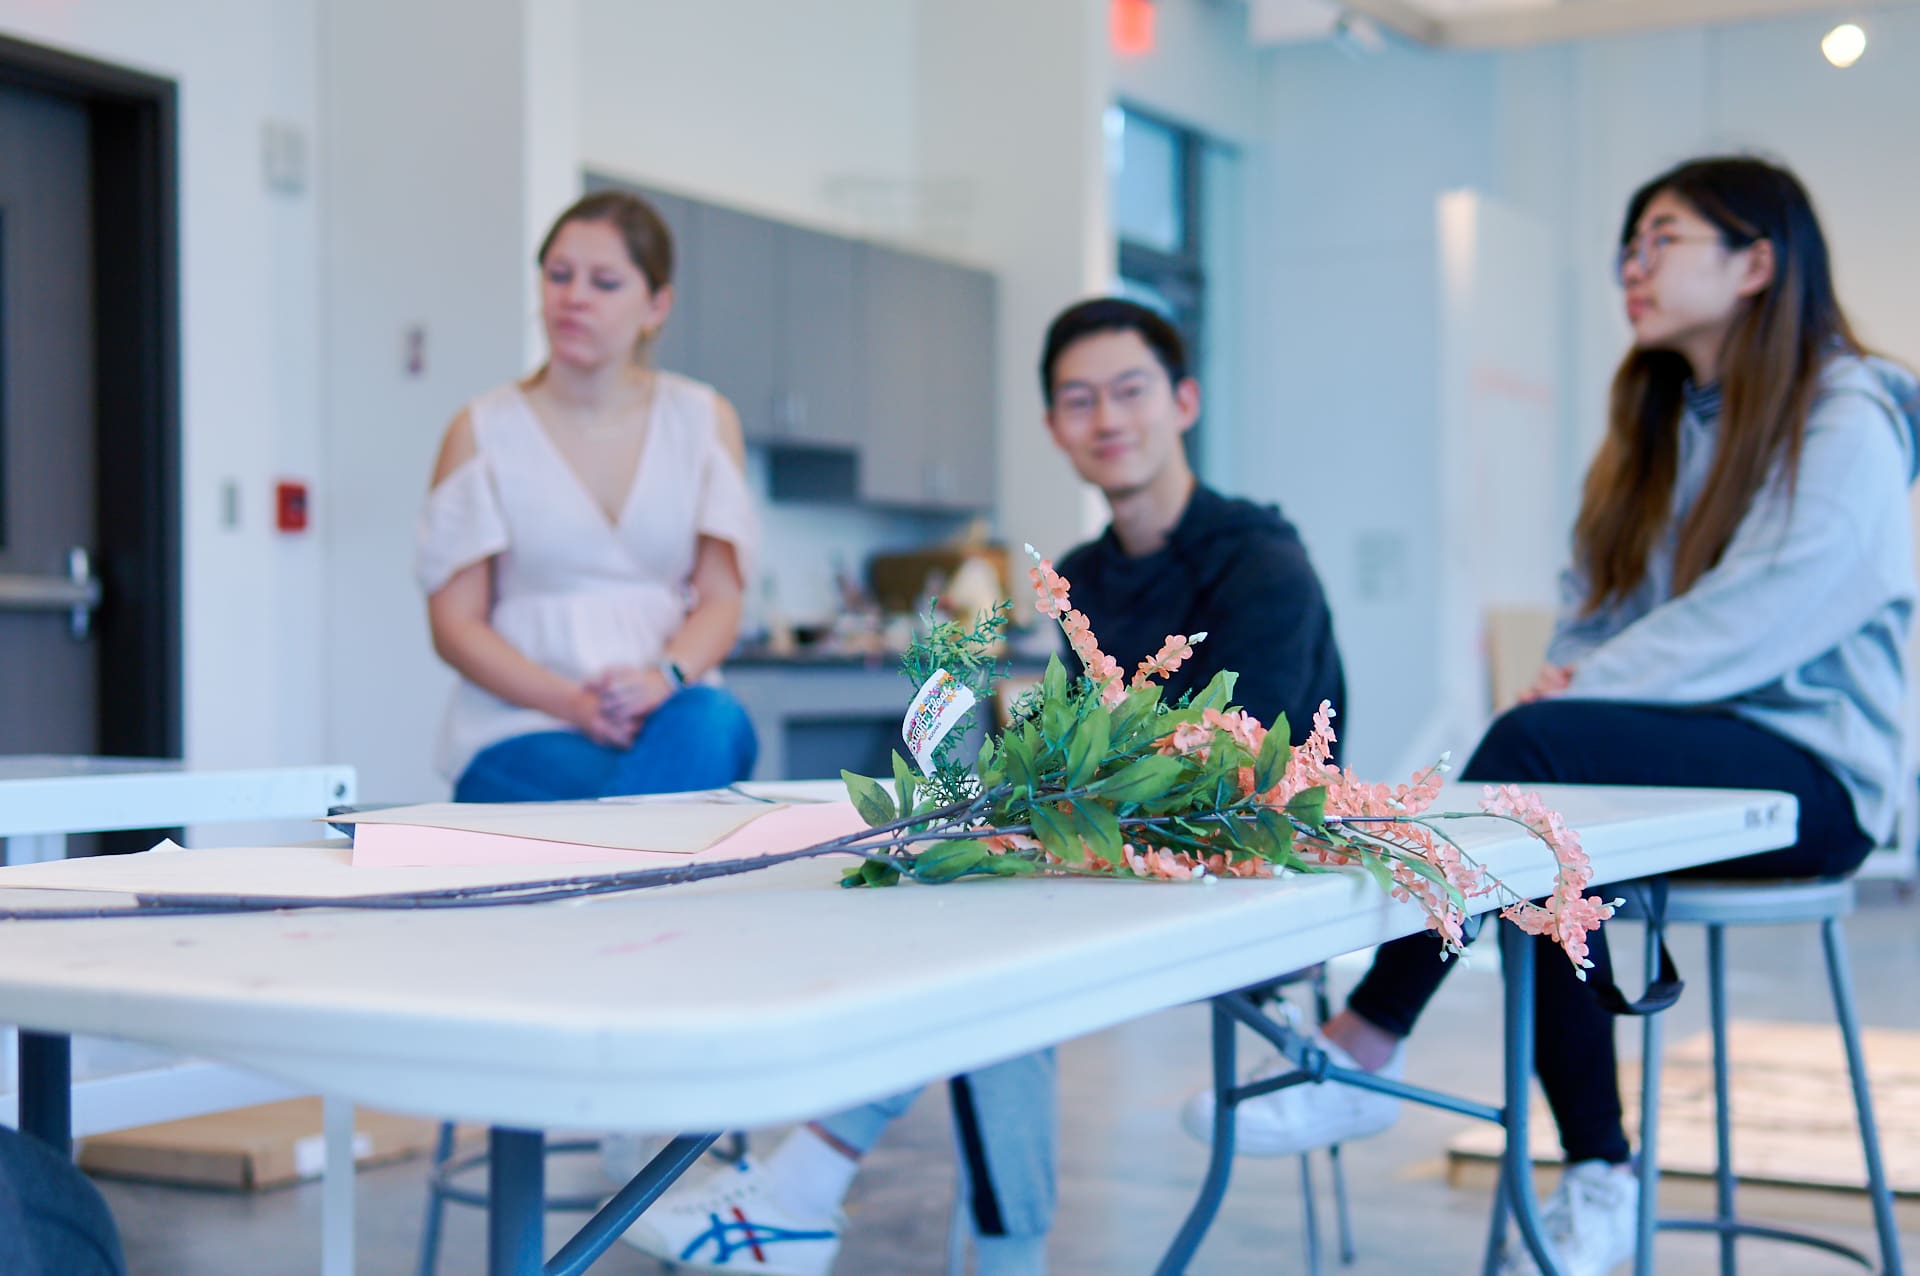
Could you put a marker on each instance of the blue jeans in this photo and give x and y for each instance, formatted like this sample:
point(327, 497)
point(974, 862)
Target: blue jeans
point(1567, 741)
point(700, 738)
point(52, 1220)
point(1004, 1120)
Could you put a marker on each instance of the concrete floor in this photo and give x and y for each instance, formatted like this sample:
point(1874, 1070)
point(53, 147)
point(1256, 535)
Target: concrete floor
point(1127, 1174)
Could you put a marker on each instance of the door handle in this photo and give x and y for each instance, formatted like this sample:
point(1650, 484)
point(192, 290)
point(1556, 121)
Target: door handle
point(77, 593)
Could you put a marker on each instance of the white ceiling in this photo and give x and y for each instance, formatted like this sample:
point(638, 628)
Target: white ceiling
point(1499, 23)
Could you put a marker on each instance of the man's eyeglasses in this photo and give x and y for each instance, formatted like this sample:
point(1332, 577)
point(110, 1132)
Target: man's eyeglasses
point(1646, 251)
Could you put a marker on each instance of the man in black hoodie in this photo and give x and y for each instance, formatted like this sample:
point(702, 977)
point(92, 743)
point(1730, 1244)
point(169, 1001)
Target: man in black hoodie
point(1178, 557)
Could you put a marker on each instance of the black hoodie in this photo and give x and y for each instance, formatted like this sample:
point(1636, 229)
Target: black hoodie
point(1237, 571)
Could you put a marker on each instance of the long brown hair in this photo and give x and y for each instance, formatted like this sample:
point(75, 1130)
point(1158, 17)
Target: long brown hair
point(1769, 376)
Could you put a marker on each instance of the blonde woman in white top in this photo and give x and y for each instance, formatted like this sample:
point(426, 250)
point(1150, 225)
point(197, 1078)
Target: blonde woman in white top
point(585, 541)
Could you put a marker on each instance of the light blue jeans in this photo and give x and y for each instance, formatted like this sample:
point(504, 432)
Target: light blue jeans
point(700, 738)
point(1004, 1123)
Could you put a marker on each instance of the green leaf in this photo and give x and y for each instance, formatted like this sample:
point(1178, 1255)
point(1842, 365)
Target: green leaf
point(1010, 866)
point(1056, 718)
point(1137, 710)
point(878, 873)
point(1218, 693)
point(870, 799)
point(1141, 780)
point(1056, 833)
point(1309, 806)
point(948, 860)
point(1100, 827)
point(904, 783)
point(1279, 831)
point(1018, 756)
point(1381, 874)
point(1087, 749)
point(1053, 687)
point(1275, 753)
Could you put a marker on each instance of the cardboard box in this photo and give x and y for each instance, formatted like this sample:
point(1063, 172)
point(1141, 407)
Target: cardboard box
point(247, 1149)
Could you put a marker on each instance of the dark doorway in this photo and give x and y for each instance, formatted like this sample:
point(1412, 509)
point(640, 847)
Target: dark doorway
point(89, 409)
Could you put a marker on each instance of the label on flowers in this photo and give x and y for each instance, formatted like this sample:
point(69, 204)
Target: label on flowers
point(942, 701)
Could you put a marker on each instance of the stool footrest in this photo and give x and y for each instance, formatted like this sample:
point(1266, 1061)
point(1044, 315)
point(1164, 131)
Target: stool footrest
point(1763, 1232)
point(442, 1185)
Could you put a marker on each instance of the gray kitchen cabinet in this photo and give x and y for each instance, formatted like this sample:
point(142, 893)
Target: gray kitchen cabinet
point(728, 305)
point(820, 362)
point(673, 348)
point(822, 342)
point(932, 396)
point(962, 391)
point(900, 341)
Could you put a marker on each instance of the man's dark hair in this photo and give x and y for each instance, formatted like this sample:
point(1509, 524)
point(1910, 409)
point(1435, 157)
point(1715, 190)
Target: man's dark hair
point(1112, 314)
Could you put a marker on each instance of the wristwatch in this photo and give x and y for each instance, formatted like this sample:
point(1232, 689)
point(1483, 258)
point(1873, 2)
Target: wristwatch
point(675, 678)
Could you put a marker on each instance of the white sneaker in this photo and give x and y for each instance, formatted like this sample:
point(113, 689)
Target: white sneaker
point(732, 1222)
point(1300, 1117)
point(1591, 1222)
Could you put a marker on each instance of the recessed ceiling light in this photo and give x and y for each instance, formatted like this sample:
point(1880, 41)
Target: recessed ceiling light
point(1844, 44)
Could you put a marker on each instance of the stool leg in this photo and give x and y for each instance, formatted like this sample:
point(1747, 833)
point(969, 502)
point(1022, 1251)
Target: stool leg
point(1647, 1221)
point(1722, 1094)
point(1842, 979)
point(1342, 1208)
point(959, 1228)
point(436, 1204)
point(1497, 1226)
point(1310, 1218)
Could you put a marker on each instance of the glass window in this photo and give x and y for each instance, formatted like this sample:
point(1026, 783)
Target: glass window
point(1148, 186)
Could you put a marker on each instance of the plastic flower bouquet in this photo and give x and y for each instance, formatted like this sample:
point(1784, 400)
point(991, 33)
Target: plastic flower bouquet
point(1097, 775)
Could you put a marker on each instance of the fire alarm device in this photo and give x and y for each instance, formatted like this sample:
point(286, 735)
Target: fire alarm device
point(290, 506)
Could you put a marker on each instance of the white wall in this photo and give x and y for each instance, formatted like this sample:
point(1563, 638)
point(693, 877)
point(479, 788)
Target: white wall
point(1360, 151)
point(248, 296)
point(1201, 70)
point(1346, 309)
point(1018, 121)
point(801, 111)
point(429, 147)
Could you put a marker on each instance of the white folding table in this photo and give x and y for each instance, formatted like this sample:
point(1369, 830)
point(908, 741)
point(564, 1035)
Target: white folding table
point(767, 997)
point(45, 799)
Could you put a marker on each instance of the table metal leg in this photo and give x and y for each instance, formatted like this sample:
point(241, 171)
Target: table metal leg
point(46, 1089)
point(1516, 965)
point(618, 1214)
point(1220, 1165)
point(336, 1189)
point(1646, 1222)
point(516, 1202)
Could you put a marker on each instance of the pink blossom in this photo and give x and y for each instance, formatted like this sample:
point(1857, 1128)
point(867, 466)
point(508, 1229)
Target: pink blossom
point(1169, 658)
point(1189, 739)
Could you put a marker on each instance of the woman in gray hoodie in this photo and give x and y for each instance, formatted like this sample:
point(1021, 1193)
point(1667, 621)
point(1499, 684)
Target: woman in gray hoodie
point(1735, 615)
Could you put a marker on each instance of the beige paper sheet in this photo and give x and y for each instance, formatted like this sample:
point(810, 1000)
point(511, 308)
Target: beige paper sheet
point(308, 872)
point(677, 827)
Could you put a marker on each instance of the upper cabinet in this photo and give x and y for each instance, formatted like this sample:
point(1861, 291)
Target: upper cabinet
point(825, 342)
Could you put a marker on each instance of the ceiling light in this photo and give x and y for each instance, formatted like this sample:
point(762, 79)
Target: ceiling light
point(1844, 44)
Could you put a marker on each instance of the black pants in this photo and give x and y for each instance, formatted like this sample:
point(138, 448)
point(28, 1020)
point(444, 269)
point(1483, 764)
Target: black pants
point(1602, 742)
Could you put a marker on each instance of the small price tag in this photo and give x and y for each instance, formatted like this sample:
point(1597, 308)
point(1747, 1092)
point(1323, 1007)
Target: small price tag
point(942, 701)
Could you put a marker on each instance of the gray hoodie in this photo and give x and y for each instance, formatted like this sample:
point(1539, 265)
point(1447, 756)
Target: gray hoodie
point(1802, 625)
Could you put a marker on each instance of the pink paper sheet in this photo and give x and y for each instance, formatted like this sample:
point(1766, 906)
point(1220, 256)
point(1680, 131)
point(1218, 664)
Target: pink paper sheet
point(784, 828)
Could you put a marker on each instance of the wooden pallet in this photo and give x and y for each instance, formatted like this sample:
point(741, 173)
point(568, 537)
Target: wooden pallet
point(1794, 1140)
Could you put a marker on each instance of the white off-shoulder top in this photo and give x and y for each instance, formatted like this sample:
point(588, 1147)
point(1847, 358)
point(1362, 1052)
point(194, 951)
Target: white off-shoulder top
point(572, 590)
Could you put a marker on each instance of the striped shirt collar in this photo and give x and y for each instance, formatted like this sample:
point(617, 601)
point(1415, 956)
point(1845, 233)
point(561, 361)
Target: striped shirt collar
point(1703, 401)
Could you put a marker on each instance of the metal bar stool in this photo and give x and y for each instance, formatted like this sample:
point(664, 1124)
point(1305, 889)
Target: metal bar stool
point(960, 1228)
point(442, 1188)
point(1718, 905)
